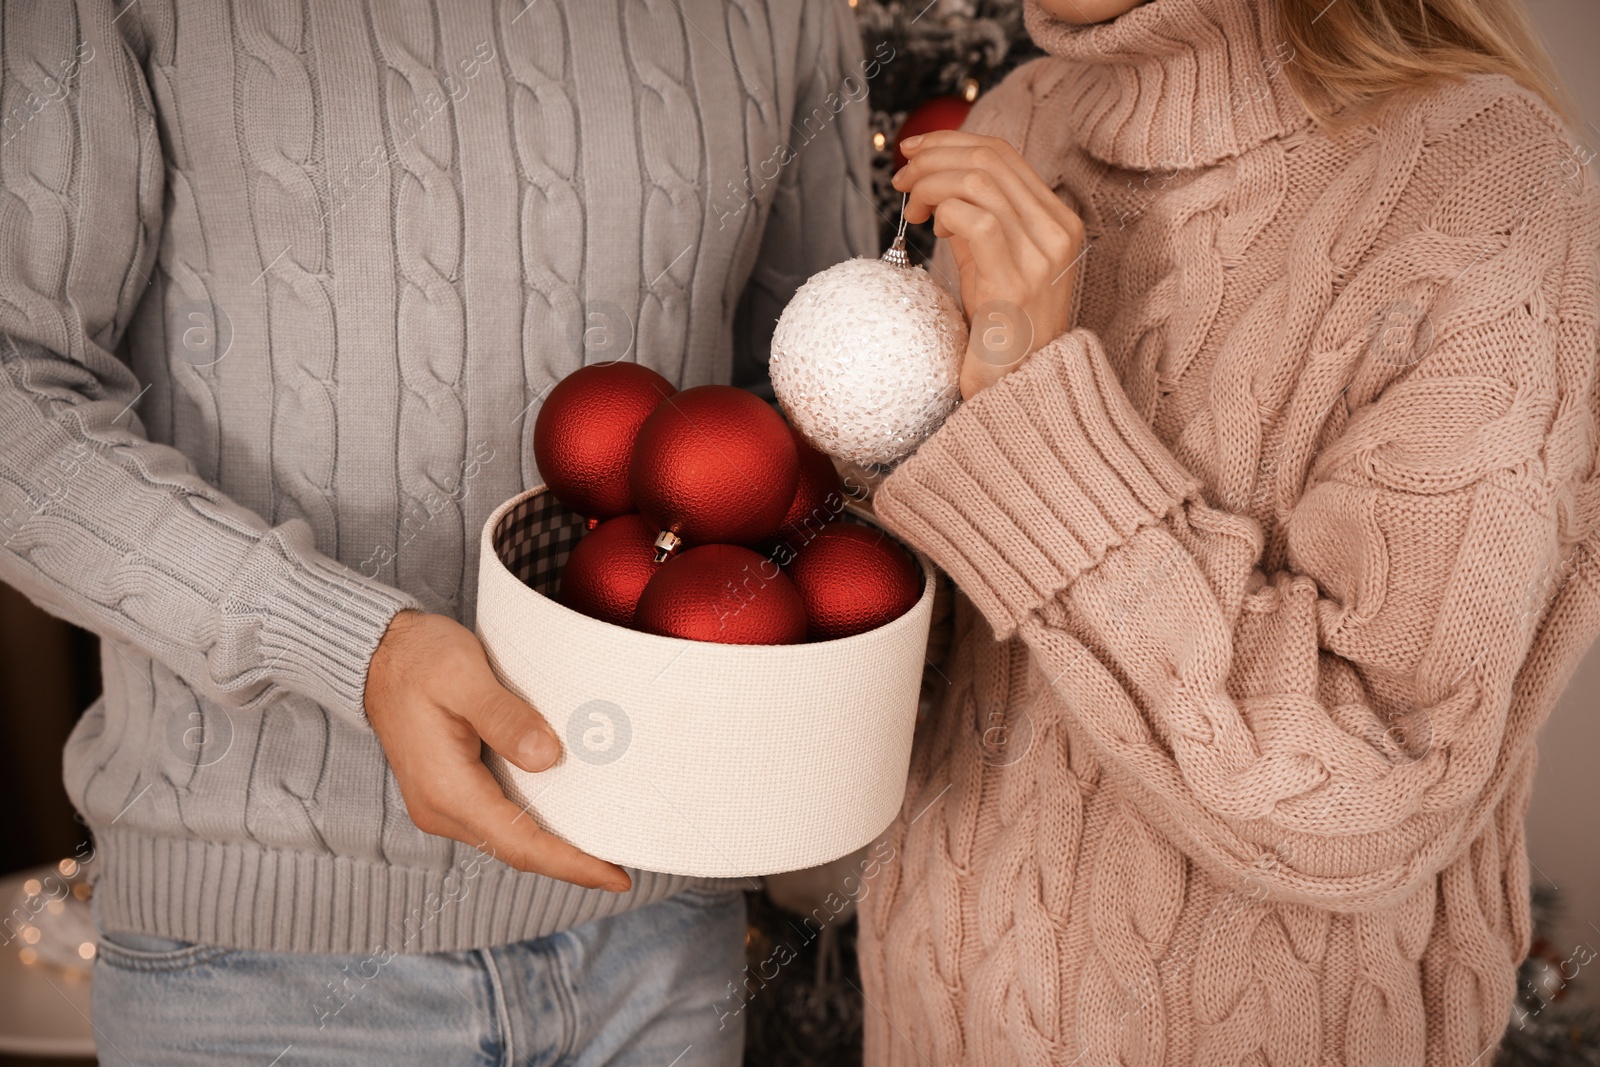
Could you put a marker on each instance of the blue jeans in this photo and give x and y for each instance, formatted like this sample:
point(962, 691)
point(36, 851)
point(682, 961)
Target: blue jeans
point(642, 987)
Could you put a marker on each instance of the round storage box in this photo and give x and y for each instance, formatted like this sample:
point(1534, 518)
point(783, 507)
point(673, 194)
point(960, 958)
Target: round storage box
point(692, 757)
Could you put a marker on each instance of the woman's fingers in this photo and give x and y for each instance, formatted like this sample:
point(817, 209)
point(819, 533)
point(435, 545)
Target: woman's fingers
point(1003, 153)
point(1003, 149)
point(1013, 240)
point(983, 175)
point(986, 242)
point(982, 190)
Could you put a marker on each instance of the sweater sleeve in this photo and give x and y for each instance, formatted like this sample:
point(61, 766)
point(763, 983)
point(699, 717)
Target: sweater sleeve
point(822, 210)
point(1336, 729)
point(98, 525)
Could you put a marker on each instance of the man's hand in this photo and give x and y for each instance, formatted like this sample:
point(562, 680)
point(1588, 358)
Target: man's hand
point(432, 698)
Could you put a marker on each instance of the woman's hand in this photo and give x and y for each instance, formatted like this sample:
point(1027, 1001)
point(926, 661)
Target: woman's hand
point(432, 699)
point(1015, 243)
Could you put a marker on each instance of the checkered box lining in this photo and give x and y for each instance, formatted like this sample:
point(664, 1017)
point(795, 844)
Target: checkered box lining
point(536, 536)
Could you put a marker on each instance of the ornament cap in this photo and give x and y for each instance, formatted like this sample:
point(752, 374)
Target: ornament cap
point(896, 254)
point(667, 543)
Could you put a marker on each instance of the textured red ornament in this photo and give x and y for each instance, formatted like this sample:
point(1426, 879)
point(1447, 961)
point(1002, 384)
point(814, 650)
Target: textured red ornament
point(608, 569)
point(583, 438)
point(818, 498)
point(853, 578)
point(940, 113)
point(722, 593)
point(715, 464)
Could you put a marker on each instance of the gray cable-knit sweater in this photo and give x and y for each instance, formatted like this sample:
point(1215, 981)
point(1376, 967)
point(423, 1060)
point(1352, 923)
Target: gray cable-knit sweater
point(282, 284)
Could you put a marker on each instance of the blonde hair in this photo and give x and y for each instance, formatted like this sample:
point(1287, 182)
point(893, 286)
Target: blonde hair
point(1351, 54)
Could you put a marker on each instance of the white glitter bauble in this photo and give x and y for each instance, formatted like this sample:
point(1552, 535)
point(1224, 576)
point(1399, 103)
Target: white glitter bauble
point(866, 359)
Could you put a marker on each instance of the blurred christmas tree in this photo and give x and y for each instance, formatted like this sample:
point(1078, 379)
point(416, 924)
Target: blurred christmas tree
point(802, 1000)
point(1546, 1029)
point(929, 52)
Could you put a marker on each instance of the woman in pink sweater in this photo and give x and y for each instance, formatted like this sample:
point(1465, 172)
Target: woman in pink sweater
point(1275, 549)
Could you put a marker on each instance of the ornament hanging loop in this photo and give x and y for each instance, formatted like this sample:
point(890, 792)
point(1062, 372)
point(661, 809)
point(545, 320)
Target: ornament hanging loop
point(896, 255)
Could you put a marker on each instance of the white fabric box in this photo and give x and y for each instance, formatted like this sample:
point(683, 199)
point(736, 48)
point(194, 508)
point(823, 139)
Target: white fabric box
point(692, 757)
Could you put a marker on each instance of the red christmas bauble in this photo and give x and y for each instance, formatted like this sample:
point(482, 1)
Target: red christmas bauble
point(722, 593)
point(608, 569)
point(940, 113)
point(853, 578)
point(818, 497)
point(583, 438)
point(715, 465)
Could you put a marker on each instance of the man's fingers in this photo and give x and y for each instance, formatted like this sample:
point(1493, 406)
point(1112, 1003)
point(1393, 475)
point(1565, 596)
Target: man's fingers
point(509, 725)
point(517, 840)
point(452, 794)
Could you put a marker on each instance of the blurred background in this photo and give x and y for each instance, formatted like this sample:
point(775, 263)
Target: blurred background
point(948, 52)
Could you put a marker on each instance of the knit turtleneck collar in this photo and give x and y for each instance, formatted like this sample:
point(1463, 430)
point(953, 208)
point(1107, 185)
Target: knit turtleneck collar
point(1174, 84)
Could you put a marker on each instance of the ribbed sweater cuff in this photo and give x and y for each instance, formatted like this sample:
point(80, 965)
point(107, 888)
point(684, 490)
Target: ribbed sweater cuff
point(317, 622)
point(1033, 481)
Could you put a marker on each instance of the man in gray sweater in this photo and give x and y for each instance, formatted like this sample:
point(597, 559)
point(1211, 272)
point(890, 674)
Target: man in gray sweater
point(282, 284)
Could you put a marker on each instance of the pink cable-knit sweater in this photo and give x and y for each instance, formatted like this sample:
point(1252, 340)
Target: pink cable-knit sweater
point(1272, 565)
